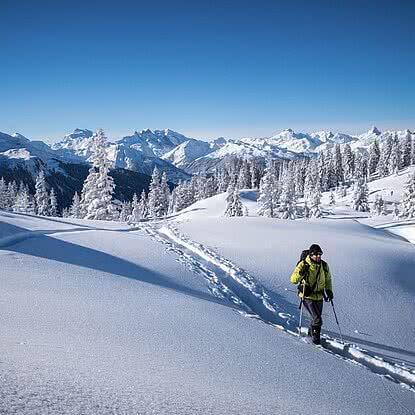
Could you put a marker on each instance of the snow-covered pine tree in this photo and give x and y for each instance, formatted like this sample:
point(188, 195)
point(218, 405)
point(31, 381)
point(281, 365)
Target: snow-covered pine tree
point(41, 195)
point(268, 199)
point(125, 212)
point(100, 185)
point(255, 175)
point(11, 194)
point(361, 164)
point(383, 165)
point(332, 178)
point(323, 162)
point(288, 200)
point(407, 149)
point(348, 162)
point(3, 194)
point(360, 196)
point(299, 177)
point(75, 209)
point(378, 206)
point(315, 208)
point(338, 164)
point(22, 202)
point(89, 192)
point(156, 196)
point(395, 211)
point(135, 213)
point(184, 196)
point(413, 150)
point(408, 200)
point(210, 187)
point(244, 177)
point(198, 182)
point(66, 213)
point(143, 205)
point(53, 203)
point(223, 180)
point(234, 205)
point(312, 178)
point(395, 156)
point(306, 213)
point(374, 156)
point(165, 194)
point(332, 198)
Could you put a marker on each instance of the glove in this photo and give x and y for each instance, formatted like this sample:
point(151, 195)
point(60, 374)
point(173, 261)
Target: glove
point(329, 295)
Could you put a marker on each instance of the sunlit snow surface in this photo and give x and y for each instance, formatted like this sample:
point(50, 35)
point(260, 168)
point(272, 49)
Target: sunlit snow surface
point(195, 314)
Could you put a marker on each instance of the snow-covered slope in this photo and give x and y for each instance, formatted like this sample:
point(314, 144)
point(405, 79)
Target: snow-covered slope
point(195, 314)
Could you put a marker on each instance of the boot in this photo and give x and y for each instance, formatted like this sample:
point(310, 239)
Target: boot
point(315, 334)
point(309, 333)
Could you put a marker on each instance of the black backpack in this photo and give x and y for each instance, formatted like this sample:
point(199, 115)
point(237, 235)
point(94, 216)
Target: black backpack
point(307, 290)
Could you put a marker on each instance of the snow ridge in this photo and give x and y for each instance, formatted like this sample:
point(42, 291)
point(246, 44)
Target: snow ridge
point(251, 299)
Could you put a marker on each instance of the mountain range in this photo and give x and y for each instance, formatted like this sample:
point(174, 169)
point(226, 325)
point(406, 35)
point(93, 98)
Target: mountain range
point(179, 156)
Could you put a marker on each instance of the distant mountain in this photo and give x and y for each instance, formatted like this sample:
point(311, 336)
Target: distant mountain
point(21, 160)
point(177, 154)
point(139, 152)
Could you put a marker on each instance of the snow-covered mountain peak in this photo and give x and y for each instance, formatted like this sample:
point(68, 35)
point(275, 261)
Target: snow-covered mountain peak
point(374, 130)
point(19, 136)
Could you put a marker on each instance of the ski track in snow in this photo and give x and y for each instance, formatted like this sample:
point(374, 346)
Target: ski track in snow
point(228, 281)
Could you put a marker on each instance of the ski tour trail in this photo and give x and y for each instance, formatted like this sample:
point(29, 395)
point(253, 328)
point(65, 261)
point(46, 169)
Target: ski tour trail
point(251, 299)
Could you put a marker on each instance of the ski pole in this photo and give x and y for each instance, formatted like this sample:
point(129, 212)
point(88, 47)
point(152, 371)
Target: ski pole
point(301, 311)
point(337, 321)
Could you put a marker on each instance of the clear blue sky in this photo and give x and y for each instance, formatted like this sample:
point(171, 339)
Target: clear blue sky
point(206, 68)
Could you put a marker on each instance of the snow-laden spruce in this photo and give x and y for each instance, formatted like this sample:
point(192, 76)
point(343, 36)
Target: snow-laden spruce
point(408, 200)
point(96, 196)
point(41, 195)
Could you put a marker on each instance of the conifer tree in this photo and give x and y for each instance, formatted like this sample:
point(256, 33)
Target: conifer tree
point(413, 151)
point(11, 194)
point(135, 213)
point(165, 194)
point(378, 206)
point(306, 211)
point(75, 209)
point(408, 200)
point(255, 176)
point(395, 156)
point(395, 211)
point(268, 199)
point(234, 205)
point(360, 196)
point(407, 150)
point(3, 194)
point(157, 207)
point(384, 164)
point(338, 165)
point(348, 162)
point(41, 195)
point(374, 156)
point(22, 201)
point(53, 203)
point(315, 209)
point(288, 200)
point(143, 205)
point(332, 198)
point(96, 198)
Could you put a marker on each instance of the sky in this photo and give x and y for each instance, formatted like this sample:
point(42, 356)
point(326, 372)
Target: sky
point(206, 68)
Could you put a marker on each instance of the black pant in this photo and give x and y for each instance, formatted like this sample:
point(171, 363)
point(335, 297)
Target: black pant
point(315, 309)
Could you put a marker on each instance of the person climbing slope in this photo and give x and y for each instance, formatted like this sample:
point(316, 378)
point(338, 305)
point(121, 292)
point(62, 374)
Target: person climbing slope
point(313, 277)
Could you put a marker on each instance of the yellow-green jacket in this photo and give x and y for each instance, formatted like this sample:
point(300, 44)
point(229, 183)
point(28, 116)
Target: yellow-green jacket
point(324, 278)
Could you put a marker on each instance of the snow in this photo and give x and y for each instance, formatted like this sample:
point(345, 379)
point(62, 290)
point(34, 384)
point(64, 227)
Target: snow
point(195, 313)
